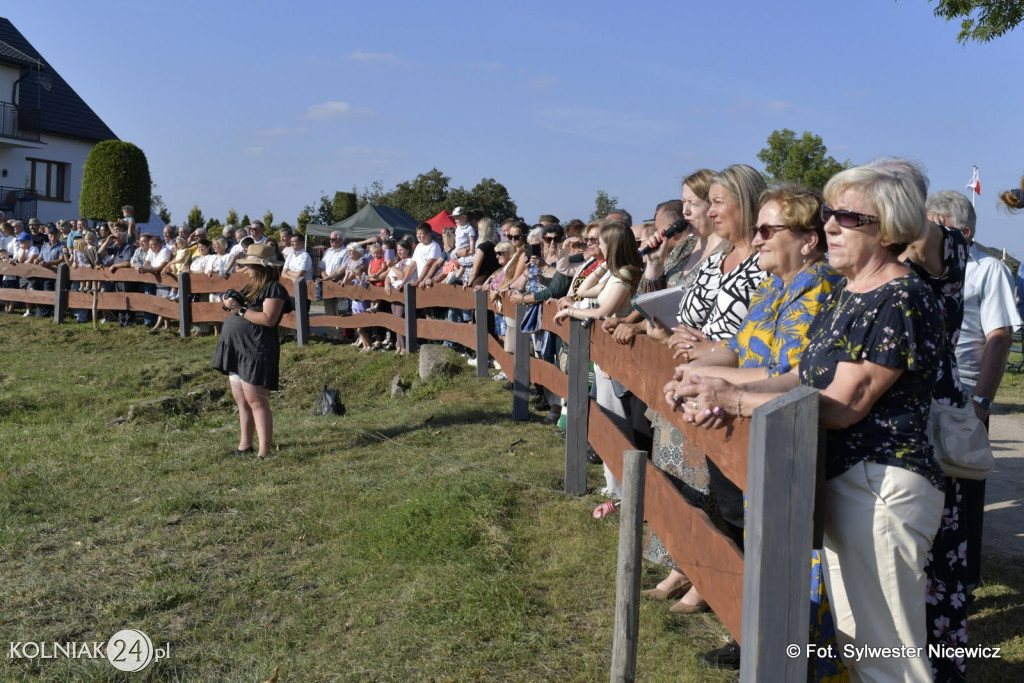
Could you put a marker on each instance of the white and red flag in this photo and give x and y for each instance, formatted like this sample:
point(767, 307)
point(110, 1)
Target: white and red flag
point(975, 182)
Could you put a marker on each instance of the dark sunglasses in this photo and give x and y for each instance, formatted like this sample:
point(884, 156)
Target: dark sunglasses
point(593, 240)
point(847, 219)
point(515, 237)
point(766, 231)
point(551, 238)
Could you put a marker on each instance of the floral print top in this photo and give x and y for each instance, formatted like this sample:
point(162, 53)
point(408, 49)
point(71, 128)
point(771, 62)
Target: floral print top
point(948, 288)
point(898, 325)
point(774, 333)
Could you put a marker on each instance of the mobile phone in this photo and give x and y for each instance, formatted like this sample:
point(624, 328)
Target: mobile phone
point(535, 250)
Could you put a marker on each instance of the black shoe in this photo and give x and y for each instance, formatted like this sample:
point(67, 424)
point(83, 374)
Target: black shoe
point(725, 657)
point(592, 457)
point(552, 417)
point(508, 386)
point(244, 451)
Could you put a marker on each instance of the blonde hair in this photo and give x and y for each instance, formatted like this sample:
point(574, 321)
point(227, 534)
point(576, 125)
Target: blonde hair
point(893, 197)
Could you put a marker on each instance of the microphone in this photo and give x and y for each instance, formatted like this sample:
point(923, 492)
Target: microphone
point(671, 232)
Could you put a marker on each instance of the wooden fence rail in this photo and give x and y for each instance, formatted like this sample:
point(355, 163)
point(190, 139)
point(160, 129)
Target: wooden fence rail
point(761, 595)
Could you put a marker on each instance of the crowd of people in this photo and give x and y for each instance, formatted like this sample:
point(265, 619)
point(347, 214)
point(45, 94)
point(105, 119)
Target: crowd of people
point(874, 292)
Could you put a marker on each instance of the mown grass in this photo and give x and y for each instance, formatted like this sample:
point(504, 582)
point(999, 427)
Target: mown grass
point(421, 538)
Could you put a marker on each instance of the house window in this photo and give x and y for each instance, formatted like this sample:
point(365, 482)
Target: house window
point(49, 179)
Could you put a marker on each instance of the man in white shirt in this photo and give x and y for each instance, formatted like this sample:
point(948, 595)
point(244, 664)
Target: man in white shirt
point(990, 317)
point(428, 255)
point(332, 269)
point(257, 232)
point(298, 266)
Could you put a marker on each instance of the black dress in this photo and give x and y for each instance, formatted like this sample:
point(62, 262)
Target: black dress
point(252, 351)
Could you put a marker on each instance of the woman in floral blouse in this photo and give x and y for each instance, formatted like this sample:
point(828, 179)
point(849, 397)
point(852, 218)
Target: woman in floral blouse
point(873, 353)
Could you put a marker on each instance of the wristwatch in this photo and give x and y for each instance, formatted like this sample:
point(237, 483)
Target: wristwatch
point(242, 310)
point(985, 403)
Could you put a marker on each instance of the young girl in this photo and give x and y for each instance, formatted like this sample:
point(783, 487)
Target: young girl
point(400, 274)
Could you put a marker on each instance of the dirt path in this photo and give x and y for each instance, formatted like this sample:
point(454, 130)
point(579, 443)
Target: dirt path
point(1004, 492)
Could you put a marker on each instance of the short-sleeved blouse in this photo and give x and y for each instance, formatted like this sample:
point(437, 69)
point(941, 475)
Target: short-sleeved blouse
point(607, 290)
point(948, 288)
point(774, 333)
point(898, 325)
point(252, 351)
point(716, 302)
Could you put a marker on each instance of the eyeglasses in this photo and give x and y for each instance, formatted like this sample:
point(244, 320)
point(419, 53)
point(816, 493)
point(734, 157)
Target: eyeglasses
point(766, 231)
point(847, 219)
point(515, 237)
point(334, 239)
point(550, 238)
point(593, 240)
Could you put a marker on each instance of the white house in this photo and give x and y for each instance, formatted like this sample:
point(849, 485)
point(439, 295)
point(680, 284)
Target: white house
point(46, 133)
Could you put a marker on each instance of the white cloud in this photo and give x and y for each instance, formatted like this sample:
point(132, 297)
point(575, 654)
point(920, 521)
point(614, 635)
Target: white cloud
point(335, 110)
point(280, 132)
point(379, 57)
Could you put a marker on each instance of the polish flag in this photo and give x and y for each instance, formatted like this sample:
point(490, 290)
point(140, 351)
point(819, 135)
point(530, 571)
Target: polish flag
point(975, 182)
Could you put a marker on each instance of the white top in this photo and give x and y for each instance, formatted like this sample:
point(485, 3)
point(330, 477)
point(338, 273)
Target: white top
point(159, 258)
point(25, 255)
point(463, 235)
point(299, 262)
point(989, 304)
point(423, 254)
point(397, 271)
point(217, 264)
point(200, 264)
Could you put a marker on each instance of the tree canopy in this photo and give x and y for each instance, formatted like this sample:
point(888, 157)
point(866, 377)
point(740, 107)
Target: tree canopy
point(604, 204)
point(981, 20)
point(115, 173)
point(430, 193)
point(802, 160)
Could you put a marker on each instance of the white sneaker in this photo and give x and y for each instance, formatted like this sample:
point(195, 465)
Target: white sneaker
point(500, 377)
point(471, 361)
point(26, 314)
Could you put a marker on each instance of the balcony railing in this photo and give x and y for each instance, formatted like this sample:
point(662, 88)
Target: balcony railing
point(18, 123)
point(17, 202)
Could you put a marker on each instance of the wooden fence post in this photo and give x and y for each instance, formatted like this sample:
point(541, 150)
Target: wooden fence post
point(184, 304)
point(410, 318)
point(627, 584)
point(301, 313)
point(60, 292)
point(577, 408)
point(781, 472)
point(521, 365)
point(482, 356)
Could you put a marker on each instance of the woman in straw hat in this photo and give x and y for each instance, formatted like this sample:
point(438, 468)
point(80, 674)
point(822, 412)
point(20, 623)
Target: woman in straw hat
point(248, 351)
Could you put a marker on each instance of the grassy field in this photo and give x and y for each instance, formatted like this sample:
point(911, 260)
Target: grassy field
point(422, 538)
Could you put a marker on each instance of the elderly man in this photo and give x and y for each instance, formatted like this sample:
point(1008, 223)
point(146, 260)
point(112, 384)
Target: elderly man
point(119, 255)
point(297, 267)
point(257, 232)
point(51, 255)
point(332, 269)
point(990, 318)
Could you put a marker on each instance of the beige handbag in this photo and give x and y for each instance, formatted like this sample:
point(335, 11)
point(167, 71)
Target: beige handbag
point(960, 441)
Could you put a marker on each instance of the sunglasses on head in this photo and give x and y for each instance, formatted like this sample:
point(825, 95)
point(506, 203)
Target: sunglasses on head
point(847, 219)
point(766, 231)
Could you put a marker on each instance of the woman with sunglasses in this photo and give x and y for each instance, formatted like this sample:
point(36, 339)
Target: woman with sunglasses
point(789, 238)
point(874, 353)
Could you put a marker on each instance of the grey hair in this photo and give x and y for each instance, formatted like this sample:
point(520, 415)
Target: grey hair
point(954, 205)
point(902, 165)
point(536, 235)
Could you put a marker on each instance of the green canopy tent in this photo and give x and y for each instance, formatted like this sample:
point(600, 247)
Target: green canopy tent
point(367, 222)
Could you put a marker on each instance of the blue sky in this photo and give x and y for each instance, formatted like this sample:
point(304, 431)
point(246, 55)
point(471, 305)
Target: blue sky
point(258, 106)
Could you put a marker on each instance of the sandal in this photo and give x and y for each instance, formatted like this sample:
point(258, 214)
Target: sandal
point(244, 451)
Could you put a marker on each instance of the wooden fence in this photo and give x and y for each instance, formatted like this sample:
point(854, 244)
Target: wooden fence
point(761, 595)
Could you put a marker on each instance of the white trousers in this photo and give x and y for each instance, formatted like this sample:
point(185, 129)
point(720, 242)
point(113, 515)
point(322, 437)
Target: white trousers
point(879, 525)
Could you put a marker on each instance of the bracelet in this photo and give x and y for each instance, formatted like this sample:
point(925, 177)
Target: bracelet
point(739, 403)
